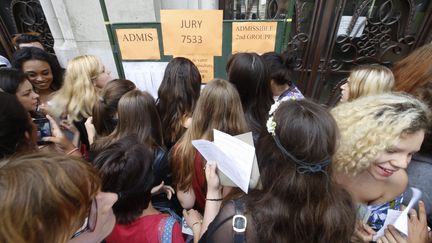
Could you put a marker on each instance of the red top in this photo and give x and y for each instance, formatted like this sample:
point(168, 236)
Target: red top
point(144, 230)
point(199, 183)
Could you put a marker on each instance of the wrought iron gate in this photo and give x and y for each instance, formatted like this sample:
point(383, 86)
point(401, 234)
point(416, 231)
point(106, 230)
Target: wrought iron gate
point(330, 37)
point(18, 16)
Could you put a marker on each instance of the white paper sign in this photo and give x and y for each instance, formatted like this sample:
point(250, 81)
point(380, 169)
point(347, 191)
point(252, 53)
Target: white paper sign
point(357, 31)
point(147, 76)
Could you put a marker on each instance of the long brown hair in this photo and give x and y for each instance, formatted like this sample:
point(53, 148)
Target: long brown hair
point(177, 96)
point(53, 193)
point(105, 109)
point(294, 206)
point(137, 115)
point(414, 71)
point(249, 75)
point(218, 108)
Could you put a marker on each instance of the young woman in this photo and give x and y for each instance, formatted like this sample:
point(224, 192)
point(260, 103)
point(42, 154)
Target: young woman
point(54, 201)
point(105, 110)
point(137, 115)
point(299, 201)
point(177, 97)
point(42, 71)
point(15, 82)
point(218, 107)
point(367, 80)
point(126, 169)
point(280, 72)
point(414, 76)
point(18, 133)
point(85, 76)
point(249, 75)
point(379, 135)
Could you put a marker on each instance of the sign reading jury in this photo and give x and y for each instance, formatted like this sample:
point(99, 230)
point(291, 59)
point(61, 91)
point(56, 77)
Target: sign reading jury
point(192, 32)
point(257, 37)
point(138, 44)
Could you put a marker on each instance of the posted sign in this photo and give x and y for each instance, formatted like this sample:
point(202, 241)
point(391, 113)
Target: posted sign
point(257, 37)
point(138, 44)
point(192, 32)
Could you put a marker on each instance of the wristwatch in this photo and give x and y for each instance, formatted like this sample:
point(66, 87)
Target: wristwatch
point(239, 223)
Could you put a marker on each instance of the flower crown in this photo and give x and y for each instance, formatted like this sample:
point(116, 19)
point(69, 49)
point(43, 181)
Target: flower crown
point(271, 124)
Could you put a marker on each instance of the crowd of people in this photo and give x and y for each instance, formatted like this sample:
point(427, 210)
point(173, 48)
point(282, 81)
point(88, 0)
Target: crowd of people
point(88, 158)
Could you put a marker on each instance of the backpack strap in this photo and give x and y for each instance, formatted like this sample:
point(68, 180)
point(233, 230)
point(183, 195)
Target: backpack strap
point(239, 222)
point(165, 235)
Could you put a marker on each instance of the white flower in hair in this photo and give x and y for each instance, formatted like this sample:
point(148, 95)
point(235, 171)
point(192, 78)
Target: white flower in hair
point(271, 124)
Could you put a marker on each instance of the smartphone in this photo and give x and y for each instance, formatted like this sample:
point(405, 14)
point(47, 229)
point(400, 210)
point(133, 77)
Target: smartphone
point(43, 130)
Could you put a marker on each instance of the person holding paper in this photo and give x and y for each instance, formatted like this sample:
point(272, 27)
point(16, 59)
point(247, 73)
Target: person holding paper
point(250, 76)
point(218, 107)
point(177, 97)
point(299, 201)
point(379, 135)
point(413, 75)
point(417, 229)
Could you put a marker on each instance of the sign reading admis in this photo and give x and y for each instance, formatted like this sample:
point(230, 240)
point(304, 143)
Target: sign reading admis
point(192, 32)
point(138, 44)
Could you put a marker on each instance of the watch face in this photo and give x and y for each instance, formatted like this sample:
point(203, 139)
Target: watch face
point(239, 223)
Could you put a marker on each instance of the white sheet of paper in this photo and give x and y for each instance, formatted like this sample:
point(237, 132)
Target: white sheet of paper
point(242, 156)
point(185, 228)
point(358, 26)
point(147, 76)
point(399, 218)
point(233, 157)
point(402, 222)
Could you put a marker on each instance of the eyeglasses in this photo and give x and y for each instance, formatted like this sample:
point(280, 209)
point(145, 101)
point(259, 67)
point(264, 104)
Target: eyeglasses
point(90, 221)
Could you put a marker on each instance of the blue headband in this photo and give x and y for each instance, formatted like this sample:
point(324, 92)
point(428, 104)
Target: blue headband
point(301, 166)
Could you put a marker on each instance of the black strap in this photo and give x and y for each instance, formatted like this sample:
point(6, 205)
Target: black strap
point(239, 237)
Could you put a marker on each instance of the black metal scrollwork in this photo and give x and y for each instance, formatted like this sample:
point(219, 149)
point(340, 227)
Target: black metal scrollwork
point(381, 41)
point(29, 17)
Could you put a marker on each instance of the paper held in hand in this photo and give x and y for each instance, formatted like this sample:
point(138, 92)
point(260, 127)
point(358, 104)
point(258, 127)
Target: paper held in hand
point(234, 157)
point(399, 218)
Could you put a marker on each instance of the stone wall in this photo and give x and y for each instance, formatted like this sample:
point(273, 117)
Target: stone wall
point(78, 26)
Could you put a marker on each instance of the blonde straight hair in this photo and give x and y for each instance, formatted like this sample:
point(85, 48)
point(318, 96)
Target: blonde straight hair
point(370, 79)
point(78, 94)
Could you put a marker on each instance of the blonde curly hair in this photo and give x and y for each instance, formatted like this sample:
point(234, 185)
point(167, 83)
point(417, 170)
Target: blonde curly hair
point(369, 125)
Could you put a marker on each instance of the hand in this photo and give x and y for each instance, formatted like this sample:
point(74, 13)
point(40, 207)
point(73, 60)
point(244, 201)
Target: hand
point(417, 226)
point(363, 233)
point(193, 218)
point(213, 183)
point(392, 235)
point(162, 188)
point(65, 125)
point(417, 229)
point(62, 144)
